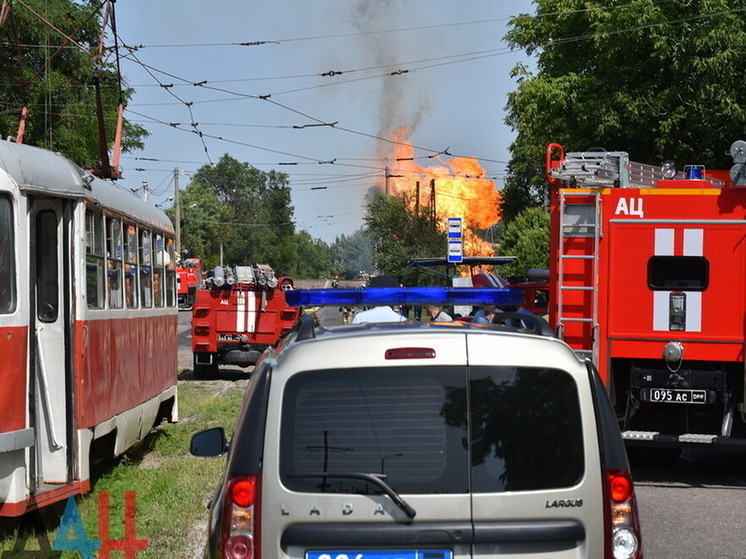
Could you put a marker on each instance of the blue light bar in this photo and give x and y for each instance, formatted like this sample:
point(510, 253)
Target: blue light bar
point(694, 172)
point(375, 296)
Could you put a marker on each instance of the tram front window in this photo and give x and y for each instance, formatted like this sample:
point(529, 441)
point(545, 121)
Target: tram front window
point(7, 258)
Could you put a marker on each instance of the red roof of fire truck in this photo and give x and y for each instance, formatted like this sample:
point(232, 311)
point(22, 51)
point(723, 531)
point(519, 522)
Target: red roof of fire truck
point(647, 280)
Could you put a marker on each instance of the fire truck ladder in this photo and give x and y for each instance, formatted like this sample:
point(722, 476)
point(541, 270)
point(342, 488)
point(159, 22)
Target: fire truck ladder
point(578, 220)
point(605, 169)
point(592, 171)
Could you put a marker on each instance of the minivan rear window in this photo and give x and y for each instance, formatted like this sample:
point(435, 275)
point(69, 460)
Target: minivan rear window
point(526, 429)
point(431, 430)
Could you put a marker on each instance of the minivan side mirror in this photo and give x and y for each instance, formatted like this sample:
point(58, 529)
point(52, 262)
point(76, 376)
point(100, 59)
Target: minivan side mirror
point(210, 442)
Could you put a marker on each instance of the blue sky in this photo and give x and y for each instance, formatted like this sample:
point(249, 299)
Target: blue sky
point(451, 77)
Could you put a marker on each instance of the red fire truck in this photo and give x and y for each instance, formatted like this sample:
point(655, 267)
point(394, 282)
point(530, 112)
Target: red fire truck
point(238, 314)
point(188, 280)
point(647, 280)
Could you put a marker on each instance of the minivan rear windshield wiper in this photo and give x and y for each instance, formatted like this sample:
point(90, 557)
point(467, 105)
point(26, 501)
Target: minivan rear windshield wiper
point(375, 479)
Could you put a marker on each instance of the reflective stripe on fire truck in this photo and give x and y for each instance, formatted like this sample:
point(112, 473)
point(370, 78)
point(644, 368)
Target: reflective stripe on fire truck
point(245, 313)
point(665, 245)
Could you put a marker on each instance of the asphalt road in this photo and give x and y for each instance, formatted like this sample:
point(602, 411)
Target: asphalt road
point(695, 508)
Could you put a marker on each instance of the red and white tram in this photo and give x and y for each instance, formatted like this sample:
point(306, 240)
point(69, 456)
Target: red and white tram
point(88, 325)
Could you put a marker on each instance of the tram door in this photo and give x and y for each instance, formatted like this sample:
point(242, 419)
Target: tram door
point(50, 310)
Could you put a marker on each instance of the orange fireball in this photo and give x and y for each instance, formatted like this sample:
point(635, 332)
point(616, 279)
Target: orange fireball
point(459, 191)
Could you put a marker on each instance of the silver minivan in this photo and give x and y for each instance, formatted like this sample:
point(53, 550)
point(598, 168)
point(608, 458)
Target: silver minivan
point(422, 441)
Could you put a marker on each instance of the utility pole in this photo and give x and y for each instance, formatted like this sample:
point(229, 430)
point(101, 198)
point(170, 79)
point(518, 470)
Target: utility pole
point(388, 176)
point(177, 211)
point(433, 209)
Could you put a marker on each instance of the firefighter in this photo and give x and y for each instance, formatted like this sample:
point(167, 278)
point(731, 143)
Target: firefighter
point(314, 312)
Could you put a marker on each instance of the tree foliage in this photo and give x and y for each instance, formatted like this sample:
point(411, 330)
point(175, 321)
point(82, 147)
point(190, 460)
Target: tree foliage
point(313, 258)
point(54, 79)
point(399, 235)
point(244, 214)
point(242, 209)
point(526, 238)
point(203, 230)
point(352, 254)
point(660, 80)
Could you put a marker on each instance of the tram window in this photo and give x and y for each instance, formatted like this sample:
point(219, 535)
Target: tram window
point(146, 272)
point(158, 254)
point(7, 258)
point(47, 286)
point(170, 273)
point(114, 258)
point(130, 266)
point(94, 261)
point(94, 238)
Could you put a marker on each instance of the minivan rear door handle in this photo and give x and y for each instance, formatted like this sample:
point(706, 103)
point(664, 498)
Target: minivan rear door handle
point(528, 531)
point(340, 535)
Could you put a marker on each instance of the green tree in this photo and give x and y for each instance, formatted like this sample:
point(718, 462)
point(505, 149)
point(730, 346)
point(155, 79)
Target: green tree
point(256, 215)
point(205, 224)
point(526, 238)
point(314, 260)
point(398, 235)
point(352, 254)
point(660, 80)
point(57, 84)
point(244, 214)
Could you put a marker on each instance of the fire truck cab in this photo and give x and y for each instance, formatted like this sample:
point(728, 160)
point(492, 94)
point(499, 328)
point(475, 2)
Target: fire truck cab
point(647, 271)
point(239, 313)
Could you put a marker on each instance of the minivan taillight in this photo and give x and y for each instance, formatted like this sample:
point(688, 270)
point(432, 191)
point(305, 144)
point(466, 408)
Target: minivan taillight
point(240, 522)
point(623, 525)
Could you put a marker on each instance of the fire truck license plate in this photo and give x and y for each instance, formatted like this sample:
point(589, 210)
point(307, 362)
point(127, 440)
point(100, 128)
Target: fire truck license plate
point(228, 338)
point(678, 396)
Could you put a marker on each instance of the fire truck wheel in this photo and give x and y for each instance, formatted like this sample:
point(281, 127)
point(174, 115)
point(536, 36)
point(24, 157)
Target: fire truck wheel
point(203, 371)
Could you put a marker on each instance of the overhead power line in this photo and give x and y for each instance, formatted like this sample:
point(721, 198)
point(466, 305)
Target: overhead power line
point(334, 125)
point(385, 31)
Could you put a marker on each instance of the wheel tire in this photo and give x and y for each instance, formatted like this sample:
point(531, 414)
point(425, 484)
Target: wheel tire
point(202, 371)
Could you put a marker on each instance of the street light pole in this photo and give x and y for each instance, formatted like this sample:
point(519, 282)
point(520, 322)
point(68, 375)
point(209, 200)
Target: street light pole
point(177, 211)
